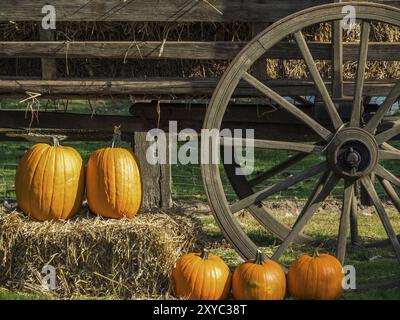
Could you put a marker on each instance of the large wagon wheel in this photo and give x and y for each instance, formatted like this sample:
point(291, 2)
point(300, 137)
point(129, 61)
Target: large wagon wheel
point(353, 150)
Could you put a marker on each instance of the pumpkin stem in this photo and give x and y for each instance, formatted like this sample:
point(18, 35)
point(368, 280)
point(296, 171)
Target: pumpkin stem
point(116, 137)
point(259, 258)
point(316, 251)
point(56, 142)
point(204, 254)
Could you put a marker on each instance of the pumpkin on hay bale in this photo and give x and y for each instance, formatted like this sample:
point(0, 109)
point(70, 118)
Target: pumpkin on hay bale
point(49, 182)
point(113, 182)
point(92, 256)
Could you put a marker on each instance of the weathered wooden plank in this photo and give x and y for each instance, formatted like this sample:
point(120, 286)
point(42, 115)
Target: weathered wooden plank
point(84, 127)
point(71, 134)
point(166, 10)
point(168, 87)
point(221, 50)
point(122, 50)
point(155, 10)
point(70, 121)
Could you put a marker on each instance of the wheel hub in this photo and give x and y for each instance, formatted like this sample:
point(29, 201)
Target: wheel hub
point(353, 152)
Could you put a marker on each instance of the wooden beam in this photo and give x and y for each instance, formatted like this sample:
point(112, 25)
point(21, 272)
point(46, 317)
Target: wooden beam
point(218, 50)
point(156, 10)
point(71, 134)
point(69, 121)
point(168, 87)
point(267, 124)
point(100, 127)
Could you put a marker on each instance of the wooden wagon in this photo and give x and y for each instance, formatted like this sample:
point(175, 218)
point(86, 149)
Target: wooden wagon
point(336, 118)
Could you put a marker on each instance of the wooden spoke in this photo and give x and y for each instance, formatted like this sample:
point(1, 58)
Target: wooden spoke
point(319, 83)
point(369, 187)
point(384, 108)
point(360, 77)
point(326, 190)
point(391, 193)
point(272, 144)
point(337, 41)
point(345, 220)
point(389, 147)
point(262, 214)
point(277, 169)
point(317, 190)
point(256, 198)
point(383, 173)
point(319, 129)
point(353, 219)
point(388, 134)
point(389, 155)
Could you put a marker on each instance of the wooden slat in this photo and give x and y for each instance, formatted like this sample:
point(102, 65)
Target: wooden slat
point(218, 50)
point(156, 10)
point(166, 87)
point(166, 10)
point(63, 120)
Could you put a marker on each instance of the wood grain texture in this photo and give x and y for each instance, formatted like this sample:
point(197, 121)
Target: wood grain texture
point(202, 50)
point(124, 88)
point(155, 10)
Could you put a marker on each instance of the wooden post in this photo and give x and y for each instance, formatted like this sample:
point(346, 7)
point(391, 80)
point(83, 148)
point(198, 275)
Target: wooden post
point(156, 179)
point(49, 65)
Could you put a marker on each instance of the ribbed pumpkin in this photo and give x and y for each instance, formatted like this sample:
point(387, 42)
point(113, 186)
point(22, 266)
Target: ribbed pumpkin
point(49, 182)
point(259, 279)
point(113, 183)
point(317, 277)
point(201, 276)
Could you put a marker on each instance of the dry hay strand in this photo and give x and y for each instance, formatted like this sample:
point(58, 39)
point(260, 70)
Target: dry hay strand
point(94, 257)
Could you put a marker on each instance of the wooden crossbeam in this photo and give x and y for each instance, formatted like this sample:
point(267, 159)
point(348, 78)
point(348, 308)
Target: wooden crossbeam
point(218, 50)
point(169, 87)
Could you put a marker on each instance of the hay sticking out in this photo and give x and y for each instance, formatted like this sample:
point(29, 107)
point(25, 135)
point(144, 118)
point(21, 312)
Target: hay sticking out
point(94, 257)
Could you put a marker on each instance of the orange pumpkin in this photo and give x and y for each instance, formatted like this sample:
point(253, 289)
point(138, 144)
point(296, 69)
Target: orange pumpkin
point(259, 279)
point(202, 276)
point(113, 183)
point(49, 182)
point(317, 277)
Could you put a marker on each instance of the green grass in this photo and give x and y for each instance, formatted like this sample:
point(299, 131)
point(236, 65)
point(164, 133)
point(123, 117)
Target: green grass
point(9, 295)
